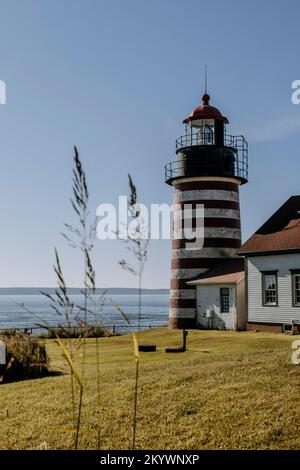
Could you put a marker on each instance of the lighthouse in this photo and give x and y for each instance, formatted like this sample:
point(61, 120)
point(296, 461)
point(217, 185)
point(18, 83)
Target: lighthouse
point(210, 167)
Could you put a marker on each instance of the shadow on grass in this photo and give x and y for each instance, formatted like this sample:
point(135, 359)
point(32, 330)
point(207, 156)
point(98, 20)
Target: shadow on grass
point(51, 373)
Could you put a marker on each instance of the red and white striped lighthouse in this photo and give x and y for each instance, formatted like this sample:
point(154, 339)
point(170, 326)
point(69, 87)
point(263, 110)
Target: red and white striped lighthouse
point(210, 168)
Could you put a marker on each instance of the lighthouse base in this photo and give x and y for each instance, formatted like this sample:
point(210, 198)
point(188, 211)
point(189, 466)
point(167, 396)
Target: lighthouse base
point(183, 323)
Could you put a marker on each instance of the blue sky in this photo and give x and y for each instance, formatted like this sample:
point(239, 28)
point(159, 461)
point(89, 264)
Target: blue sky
point(116, 78)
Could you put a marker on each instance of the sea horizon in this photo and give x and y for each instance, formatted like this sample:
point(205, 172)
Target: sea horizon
point(78, 290)
point(28, 310)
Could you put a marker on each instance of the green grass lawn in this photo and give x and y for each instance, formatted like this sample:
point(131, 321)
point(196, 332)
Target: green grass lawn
point(228, 391)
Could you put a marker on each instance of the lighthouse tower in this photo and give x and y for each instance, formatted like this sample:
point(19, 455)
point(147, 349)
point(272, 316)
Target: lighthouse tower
point(210, 167)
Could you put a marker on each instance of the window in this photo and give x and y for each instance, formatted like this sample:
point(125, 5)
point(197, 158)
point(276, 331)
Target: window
point(269, 288)
point(287, 328)
point(206, 135)
point(224, 295)
point(296, 288)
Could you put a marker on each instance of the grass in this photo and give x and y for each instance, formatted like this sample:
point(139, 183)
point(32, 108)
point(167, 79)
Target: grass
point(228, 391)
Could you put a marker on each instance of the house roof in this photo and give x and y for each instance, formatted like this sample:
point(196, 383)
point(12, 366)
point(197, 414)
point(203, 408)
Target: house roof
point(281, 232)
point(232, 278)
point(230, 271)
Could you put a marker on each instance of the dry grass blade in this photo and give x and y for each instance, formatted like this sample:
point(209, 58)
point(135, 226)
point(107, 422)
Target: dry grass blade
point(137, 244)
point(136, 347)
point(69, 360)
point(133, 193)
point(127, 267)
point(118, 308)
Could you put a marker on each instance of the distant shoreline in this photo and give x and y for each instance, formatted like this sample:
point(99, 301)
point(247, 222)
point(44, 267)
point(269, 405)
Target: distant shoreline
point(77, 290)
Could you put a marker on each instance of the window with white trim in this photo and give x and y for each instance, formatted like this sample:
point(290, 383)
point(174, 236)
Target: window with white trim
point(269, 287)
point(296, 289)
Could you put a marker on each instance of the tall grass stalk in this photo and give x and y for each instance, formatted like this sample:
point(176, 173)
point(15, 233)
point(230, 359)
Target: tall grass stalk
point(137, 245)
point(60, 302)
point(80, 237)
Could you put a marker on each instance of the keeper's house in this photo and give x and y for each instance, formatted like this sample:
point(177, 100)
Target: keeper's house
point(272, 260)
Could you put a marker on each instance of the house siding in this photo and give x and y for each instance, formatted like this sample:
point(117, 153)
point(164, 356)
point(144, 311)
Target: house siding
point(208, 298)
point(285, 312)
point(241, 317)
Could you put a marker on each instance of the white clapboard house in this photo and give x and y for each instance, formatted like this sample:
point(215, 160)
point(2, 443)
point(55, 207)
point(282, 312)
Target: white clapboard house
point(272, 262)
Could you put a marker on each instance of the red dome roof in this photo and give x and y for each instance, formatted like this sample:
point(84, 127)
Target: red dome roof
point(205, 111)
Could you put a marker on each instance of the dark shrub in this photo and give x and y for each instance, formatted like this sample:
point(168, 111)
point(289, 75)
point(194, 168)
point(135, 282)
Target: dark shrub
point(26, 358)
point(88, 331)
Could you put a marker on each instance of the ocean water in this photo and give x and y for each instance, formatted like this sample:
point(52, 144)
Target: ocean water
point(27, 311)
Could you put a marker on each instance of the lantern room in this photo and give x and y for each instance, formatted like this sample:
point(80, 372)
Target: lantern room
point(206, 149)
point(205, 125)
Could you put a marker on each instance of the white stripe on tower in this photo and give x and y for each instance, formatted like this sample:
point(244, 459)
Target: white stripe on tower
point(185, 196)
